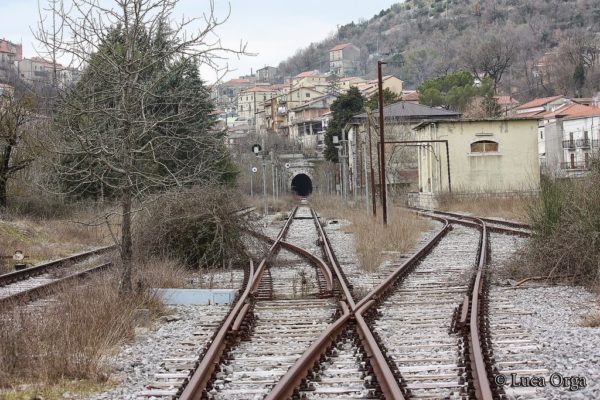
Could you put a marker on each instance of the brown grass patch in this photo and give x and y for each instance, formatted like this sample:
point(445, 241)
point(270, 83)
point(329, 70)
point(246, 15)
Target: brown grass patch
point(375, 242)
point(71, 337)
point(43, 239)
point(514, 208)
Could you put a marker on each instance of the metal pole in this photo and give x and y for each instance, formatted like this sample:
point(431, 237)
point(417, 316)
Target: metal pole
point(382, 140)
point(373, 199)
point(364, 156)
point(264, 167)
point(251, 188)
point(272, 174)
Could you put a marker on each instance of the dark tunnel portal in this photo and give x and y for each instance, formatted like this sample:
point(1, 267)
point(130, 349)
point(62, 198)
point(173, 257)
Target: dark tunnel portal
point(302, 185)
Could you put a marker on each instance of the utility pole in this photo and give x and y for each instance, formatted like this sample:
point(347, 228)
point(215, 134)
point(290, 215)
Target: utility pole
point(373, 195)
point(382, 142)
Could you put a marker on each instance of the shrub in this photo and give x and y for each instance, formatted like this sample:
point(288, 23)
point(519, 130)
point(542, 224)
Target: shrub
point(566, 224)
point(197, 226)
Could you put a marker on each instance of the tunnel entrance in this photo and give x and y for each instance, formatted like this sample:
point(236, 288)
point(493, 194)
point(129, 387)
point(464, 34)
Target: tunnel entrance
point(302, 185)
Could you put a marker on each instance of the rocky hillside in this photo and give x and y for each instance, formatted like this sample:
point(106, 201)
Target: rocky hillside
point(516, 43)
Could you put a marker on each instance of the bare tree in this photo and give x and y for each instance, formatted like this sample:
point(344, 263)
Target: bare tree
point(16, 111)
point(139, 120)
point(490, 55)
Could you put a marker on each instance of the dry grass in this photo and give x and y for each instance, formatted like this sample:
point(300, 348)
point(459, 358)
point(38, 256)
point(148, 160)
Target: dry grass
point(65, 346)
point(374, 242)
point(513, 208)
point(49, 238)
point(591, 321)
point(72, 337)
point(275, 204)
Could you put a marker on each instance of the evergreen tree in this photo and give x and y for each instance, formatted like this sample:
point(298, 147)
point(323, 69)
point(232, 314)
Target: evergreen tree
point(454, 91)
point(389, 97)
point(343, 108)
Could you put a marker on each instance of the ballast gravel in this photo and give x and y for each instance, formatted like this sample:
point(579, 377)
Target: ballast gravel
point(136, 363)
point(569, 349)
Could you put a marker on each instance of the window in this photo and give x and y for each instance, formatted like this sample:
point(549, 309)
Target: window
point(484, 146)
point(573, 161)
point(307, 94)
point(541, 135)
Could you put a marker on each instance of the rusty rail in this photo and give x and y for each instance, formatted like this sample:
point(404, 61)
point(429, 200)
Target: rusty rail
point(289, 383)
point(385, 377)
point(45, 289)
point(507, 227)
point(195, 386)
point(39, 269)
point(479, 367)
point(333, 262)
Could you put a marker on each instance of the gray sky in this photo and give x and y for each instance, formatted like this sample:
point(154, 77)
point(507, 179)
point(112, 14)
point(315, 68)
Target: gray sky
point(273, 29)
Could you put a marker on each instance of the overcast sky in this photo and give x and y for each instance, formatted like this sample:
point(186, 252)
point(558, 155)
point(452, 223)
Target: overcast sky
point(273, 29)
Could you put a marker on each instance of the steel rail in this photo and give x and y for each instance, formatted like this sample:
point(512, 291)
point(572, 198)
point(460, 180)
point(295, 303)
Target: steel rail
point(333, 263)
point(479, 366)
point(385, 377)
point(197, 383)
point(39, 269)
point(37, 292)
point(289, 383)
point(507, 227)
point(379, 291)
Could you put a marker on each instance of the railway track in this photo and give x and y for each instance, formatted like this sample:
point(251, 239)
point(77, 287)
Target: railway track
point(29, 284)
point(298, 331)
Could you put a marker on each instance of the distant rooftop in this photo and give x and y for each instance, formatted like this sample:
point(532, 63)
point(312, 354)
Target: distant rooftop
point(403, 110)
point(340, 46)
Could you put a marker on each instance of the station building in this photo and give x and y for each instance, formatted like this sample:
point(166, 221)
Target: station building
point(475, 156)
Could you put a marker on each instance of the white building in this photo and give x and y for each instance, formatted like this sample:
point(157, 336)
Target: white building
point(580, 141)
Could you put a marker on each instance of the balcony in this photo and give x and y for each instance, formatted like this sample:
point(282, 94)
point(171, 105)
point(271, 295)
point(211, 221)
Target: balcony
point(580, 165)
point(568, 144)
point(586, 143)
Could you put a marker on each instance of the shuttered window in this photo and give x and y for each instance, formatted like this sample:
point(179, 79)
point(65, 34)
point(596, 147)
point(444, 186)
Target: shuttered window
point(484, 146)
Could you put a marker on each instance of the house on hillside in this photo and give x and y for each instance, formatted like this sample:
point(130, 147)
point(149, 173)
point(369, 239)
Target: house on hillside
point(485, 156)
point(267, 74)
point(371, 87)
point(362, 135)
point(310, 79)
point(307, 122)
point(249, 101)
point(344, 59)
point(507, 104)
point(580, 141)
point(550, 113)
point(10, 55)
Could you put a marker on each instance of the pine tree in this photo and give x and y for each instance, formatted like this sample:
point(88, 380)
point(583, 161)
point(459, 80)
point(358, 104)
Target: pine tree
point(343, 109)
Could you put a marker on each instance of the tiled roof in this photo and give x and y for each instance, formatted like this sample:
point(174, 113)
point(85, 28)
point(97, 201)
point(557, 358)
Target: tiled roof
point(505, 100)
point(259, 89)
point(340, 46)
point(538, 102)
point(568, 110)
point(410, 96)
point(406, 110)
point(590, 112)
point(307, 73)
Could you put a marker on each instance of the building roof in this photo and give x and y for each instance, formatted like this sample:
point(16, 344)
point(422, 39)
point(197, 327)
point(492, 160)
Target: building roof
point(340, 46)
point(590, 112)
point(237, 82)
point(506, 100)
point(258, 89)
point(568, 110)
point(539, 102)
point(307, 73)
point(412, 95)
point(462, 120)
point(404, 110)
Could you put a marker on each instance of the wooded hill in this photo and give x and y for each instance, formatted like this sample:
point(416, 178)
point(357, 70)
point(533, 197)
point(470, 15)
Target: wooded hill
point(535, 47)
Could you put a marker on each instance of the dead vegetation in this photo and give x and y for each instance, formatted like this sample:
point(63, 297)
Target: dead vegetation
point(76, 334)
point(514, 208)
point(45, 237)
point(566, 233)
point(374, 242)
